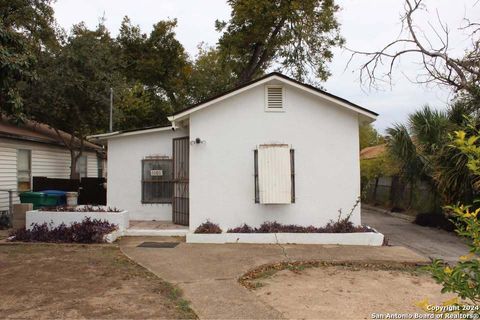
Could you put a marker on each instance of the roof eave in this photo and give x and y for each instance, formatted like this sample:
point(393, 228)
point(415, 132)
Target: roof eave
point(118, 134)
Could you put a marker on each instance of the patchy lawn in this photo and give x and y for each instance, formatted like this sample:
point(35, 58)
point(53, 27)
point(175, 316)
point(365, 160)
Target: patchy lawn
point(4, 233)
point(344, 292)
point(82, 281)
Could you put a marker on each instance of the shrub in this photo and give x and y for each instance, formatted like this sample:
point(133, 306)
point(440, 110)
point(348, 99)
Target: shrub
point(87, 231)
point(462, 278)
point(245, 228)
point(208, 227)
point(5, 222)
point(435, 220)
point(342, 225)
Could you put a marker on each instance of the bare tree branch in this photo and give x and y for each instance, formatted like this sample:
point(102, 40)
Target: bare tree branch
point(460, 73)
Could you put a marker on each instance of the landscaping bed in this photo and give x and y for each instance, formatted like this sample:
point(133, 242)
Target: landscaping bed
point(86, 231)
point(56, 216)
point(341, 232)
point(77, 282)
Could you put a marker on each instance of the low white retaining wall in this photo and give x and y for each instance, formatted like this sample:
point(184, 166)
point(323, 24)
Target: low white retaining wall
point(54, 218)
point(356, 238)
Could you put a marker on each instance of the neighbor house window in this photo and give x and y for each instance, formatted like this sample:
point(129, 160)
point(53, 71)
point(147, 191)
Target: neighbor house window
point(99, 167)
point(157, 180)
point(24, 170)
point(81, 166)
point(274, 98)
point(274, 172)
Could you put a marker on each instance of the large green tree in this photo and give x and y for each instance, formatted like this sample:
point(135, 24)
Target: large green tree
point(295, 36)
point(26, 29)
point(157, 60)
point(369, 136)
point(210, 75)
point(71, 91)
point(137, 107)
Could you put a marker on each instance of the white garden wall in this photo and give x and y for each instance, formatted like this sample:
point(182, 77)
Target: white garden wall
point(54, 219)
point(124, 177)
point(356, 238)
point(327, 173)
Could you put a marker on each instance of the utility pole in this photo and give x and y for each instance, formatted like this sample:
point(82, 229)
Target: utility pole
point(111, 110)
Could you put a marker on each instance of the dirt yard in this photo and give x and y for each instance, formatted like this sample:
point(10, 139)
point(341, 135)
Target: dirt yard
point(75, 281)
point(4, 233)
point(338, 292)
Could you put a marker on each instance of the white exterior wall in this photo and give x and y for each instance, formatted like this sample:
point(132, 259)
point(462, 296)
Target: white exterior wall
point(327, 170)
point(47, 161)
point(124, 181)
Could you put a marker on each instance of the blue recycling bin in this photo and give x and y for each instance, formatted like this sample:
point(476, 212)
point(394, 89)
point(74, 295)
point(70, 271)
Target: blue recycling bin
point(59, 196)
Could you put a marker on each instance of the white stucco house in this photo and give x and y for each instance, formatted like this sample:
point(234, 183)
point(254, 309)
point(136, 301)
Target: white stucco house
point(273, 149)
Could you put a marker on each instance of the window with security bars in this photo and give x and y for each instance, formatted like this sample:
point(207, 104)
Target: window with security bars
point(157, 180)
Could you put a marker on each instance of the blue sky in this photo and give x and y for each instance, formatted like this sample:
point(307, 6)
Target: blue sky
point(366, 24)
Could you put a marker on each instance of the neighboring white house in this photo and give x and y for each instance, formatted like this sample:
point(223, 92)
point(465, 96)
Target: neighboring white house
point(273, 149)
point(34, 150)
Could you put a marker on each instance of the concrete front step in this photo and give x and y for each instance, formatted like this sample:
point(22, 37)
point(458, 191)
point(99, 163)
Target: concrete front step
point(155, 232)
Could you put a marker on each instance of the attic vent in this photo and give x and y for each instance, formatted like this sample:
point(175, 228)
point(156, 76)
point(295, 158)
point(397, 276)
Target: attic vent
point(274, 98)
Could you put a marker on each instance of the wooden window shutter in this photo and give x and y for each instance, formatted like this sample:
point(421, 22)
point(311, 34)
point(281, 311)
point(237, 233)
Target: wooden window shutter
point(274, 174)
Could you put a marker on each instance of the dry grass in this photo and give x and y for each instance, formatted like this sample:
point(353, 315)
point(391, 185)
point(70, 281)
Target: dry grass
point(343, 291)
point(253, 278)
point(4, 233)
point(82, 281)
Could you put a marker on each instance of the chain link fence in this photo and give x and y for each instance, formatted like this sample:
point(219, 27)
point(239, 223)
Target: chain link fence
point(394, 194)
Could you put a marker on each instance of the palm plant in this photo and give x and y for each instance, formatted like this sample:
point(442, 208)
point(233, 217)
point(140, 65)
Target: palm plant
point(422, 147)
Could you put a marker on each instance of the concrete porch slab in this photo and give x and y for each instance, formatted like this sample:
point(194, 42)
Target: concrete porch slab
point(155, 228)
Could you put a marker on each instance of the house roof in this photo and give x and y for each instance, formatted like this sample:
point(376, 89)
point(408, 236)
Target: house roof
point(37, 132)
point(278, 76)
point(372, 152)
point(130, 132)
point(195, 107)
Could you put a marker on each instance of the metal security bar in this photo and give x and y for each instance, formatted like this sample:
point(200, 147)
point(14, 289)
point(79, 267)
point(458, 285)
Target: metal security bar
point(181, 204)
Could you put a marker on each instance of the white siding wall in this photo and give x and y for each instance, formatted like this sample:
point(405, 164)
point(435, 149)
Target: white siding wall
point(8, 173)
point(92, 165)
point(327, 173)
point(50, 162)
point(47, 161)
point(124, 169)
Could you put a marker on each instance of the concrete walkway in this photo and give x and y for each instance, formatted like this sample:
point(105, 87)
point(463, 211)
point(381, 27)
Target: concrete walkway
point(429, 242)
point(208, 273)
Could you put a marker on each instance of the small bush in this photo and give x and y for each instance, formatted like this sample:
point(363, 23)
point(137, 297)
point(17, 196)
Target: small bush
point(5, 222)
point(208, 227)
point(343, 226)
point(87, 231)
point(436, 220)
point(245, 228)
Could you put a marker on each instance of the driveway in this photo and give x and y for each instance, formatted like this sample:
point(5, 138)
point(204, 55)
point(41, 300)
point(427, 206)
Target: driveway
point(208, 273)
point(429, 242)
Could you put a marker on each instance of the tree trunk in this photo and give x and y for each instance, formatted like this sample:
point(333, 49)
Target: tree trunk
point(375, 191)
point(73, 165)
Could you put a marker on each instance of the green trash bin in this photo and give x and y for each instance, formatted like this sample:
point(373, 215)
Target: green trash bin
point(36, 198)
point(39, 199)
